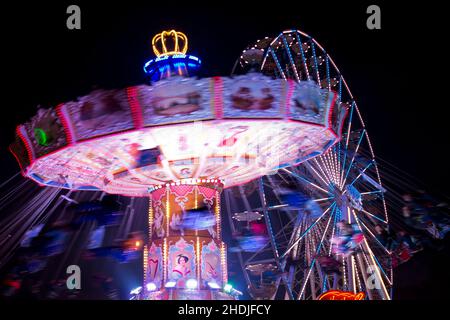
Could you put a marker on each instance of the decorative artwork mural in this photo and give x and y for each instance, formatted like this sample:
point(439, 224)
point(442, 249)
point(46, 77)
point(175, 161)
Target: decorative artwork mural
point(211, 269)
point(158, 222)
point(154, 265)
point(309, 103)
point(181, 264)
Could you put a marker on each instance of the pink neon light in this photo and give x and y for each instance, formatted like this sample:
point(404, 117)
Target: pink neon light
point(136, 111)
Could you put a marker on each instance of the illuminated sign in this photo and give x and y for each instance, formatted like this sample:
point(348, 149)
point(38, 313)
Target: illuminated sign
point(341, 295)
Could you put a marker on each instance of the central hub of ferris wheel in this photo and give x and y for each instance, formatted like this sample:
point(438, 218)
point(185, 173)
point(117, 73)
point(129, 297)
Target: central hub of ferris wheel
point(346, 197)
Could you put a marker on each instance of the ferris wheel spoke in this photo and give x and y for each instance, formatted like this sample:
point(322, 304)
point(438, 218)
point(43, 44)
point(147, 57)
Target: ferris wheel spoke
point(305, 180)
point(288, 50)
point(322, 199)
point(348, 135)
point(332, 162)
point(307, 230)
point(353, 158)
point(382, 269)
point(305, 65)
point(362, 172)
point(316, 65)
point(247, 261)
point(316, 252)
point(372, 192)
point(277, 62)
point(327, 65)
point(349, 128)
point(359, 222)
point(374, 237)
point(322, 168)
point(382, 194)
point(336, 216)
point(375, 263)
point(328, 168)
point(374, 216)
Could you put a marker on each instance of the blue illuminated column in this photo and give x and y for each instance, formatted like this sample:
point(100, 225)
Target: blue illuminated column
point(171, 59)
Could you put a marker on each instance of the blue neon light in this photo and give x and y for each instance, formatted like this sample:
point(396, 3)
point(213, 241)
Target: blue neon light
point(148, 63)
point(161, 58)
point(164, 66)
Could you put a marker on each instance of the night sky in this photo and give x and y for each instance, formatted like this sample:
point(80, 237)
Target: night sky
point(392, 72)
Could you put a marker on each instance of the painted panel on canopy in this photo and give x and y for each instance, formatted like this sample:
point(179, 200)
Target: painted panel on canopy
point(176, 100)
point(99, 113)
point(310, 103)
point(254, 96)
point(338, 116)
point(211, 267)
point(45, 131)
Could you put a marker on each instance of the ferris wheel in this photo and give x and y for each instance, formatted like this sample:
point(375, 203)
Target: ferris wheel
point(320, 218)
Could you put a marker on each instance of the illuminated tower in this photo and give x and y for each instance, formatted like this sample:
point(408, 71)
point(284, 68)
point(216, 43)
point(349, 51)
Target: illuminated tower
point(182, 261)
point(170, 48)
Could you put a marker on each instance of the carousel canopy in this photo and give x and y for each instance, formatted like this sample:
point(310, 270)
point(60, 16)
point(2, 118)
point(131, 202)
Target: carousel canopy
point(178, 129)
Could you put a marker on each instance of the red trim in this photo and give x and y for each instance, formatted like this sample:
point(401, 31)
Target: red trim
point(135, 106)
point(330, 111)
point(26, 142)
point(66, 123)
point(291, 86)
point(218, 97)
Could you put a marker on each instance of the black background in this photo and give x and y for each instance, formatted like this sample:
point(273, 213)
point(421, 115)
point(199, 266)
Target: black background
point(396, 74)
